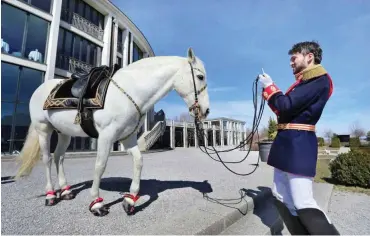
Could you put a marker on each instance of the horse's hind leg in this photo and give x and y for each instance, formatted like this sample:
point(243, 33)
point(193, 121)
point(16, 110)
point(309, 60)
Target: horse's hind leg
point(63, 142)
point(44, 131)
point(129, 199)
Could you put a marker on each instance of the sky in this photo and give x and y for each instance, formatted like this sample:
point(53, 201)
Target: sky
point(235, 39)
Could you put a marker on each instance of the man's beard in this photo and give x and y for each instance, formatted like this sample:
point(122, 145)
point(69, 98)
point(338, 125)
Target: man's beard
point(298, 69)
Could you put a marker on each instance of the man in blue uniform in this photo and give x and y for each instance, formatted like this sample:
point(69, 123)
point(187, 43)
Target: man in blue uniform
point(294, 151)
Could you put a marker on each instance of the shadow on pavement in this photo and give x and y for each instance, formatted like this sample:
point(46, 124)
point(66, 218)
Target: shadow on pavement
point(7, 179)
point(150, 187)
point(266, 210)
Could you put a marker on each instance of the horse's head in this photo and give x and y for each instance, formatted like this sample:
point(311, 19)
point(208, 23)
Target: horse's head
point(191, 85)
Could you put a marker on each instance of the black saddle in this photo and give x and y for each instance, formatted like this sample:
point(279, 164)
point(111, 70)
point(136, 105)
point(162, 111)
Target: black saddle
point(85, 86)
point(87, 81)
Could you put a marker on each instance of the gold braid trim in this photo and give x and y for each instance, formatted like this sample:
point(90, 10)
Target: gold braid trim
point(311, 72)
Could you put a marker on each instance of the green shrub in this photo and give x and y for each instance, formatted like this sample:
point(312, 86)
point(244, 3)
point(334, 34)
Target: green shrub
point(354, 142)
point(335, 142)
point(321, 141)
point(352, 169)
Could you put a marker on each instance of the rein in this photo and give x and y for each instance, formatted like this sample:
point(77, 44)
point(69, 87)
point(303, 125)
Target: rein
point(201, 134)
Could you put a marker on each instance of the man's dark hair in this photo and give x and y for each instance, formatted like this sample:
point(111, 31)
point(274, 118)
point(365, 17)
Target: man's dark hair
point(308, 47)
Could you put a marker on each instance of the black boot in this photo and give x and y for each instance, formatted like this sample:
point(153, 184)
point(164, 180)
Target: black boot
point(316, 222)
point(292, 222)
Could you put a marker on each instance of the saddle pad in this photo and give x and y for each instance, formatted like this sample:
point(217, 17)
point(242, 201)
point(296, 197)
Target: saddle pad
point(61, 98)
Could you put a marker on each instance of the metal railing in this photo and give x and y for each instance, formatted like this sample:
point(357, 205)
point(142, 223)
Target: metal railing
point(82, 24)
point(70, 64)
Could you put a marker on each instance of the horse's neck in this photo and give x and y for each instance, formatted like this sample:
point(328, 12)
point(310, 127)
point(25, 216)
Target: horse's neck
point(147, 84)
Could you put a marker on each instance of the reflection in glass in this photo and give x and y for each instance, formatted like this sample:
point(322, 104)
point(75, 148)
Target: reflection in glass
point(137, 53)
point(9, 78)
point(42, 4)
point(22, 121)
point(36, 39)
point(7, 110)
point(29, 80)
point(12, 28)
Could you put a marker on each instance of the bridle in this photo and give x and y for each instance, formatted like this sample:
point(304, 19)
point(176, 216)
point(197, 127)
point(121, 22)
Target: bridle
point(196, 106)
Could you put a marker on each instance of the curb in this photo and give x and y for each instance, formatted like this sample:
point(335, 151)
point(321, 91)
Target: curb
point(228, 220)
point(80, 155)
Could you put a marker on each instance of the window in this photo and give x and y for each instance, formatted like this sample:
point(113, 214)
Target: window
point(17, 85)
point(73, 47)
point(23, 34)
point(137, 53)
point(9, 80)
point(44, 5)
point(119, 41)
point(82, 9)
point(29, 80)
point(119, 61)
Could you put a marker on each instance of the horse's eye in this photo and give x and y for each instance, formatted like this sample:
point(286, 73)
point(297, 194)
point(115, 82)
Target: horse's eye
point(201, 77)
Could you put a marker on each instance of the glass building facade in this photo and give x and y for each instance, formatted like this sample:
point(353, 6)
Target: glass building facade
point(27, 40)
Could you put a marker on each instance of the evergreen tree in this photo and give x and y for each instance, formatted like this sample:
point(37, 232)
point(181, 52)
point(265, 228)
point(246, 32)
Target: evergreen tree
point(272, 129)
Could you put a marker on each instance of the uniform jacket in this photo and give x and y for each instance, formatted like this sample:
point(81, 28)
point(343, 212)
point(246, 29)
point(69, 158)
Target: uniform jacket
point(294, 150)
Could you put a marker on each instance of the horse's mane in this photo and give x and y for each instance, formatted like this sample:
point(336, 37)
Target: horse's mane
point(154, 61)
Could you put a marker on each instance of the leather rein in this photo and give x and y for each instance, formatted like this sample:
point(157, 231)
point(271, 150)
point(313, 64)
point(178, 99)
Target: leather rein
point(196, 106)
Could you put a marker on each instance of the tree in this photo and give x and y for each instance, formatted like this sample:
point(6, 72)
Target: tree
point(272, 129)
point(357, 130)
point(328, 134)
point(368, 136)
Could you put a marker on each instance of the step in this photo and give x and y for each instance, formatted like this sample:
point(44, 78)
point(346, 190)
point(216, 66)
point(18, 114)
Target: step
point(264, 219)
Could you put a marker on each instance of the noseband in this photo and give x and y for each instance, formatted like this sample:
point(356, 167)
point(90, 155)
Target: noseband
point(196, 106)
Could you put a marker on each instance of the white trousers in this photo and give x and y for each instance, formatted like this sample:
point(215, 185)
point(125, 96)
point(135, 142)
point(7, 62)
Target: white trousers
point(294, 191)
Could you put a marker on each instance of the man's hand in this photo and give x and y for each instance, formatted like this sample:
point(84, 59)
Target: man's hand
point(265, 80)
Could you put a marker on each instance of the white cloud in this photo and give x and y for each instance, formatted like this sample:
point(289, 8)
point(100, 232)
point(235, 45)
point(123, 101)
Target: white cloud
point(221, 89)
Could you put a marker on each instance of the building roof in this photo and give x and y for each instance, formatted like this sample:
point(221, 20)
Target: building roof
point(225, 118)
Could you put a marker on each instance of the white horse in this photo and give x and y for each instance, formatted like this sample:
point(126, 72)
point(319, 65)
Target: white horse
point(146, 82)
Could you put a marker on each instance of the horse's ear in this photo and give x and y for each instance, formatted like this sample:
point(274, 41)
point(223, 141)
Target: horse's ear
point(191, 56)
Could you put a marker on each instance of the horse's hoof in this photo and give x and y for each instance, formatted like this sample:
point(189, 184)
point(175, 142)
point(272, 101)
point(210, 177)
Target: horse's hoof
point(97, 208)
point(129, 208)
point(100, 211)
point(50, 201)
point(68, 196)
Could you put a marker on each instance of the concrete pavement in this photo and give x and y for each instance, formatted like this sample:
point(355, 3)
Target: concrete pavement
point(173, 187)
point(183, 192)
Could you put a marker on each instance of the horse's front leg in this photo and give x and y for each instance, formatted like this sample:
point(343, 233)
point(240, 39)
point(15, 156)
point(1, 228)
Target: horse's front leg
point(105, 142)
point(130, 199)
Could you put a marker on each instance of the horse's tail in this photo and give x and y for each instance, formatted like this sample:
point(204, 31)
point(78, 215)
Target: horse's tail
point(30, 153)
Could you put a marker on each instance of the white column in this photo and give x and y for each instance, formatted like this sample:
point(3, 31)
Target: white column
point(106, 40)
point(171, 134)
point(195, 138)
point(51, 53)
point(222, 133)
point(115, 36)
point(214, 135)
point(185, 135)
point(126, 48)
point(131, 48)
point(206, 138)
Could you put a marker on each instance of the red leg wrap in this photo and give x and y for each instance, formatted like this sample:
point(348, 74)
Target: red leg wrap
point(99, 199)
point(51, 192)
point(134, 198)
point(65, 188)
